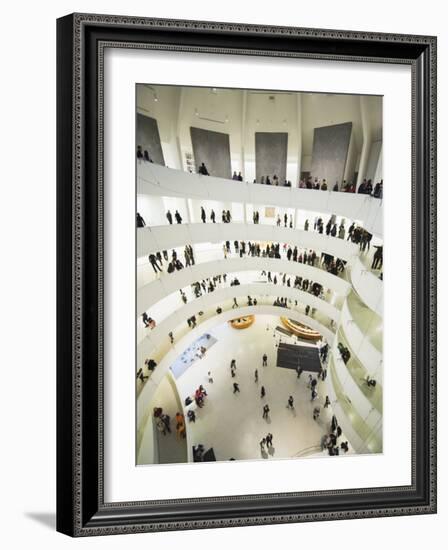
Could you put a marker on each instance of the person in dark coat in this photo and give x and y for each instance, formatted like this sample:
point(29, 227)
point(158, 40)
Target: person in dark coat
point(203, 170)
point(153, 261)
point(146, 157)
point(140, 221)
point(169, 217)
point(266, 410)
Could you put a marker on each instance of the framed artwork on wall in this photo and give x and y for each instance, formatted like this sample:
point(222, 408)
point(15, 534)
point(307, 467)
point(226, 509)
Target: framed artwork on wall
point(246, 318)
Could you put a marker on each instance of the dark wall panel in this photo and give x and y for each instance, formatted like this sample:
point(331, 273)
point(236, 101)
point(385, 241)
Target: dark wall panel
point(212, 149)
point(271, 151)
point(330, 150)
point(149, 138)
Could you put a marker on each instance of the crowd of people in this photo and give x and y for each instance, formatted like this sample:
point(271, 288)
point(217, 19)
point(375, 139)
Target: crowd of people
point(332, 441)
point(210, 284)
point(355, 233)
point(252, 249)
point(266, 180)
point(174, 263)
point(267, 440)
point(365, 188)
point(329, 441)
point(163, 422)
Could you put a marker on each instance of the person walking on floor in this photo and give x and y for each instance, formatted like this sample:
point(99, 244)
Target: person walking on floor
point(166, 420)
point(262, 443)
point(210, 377)
point(178, 217)
point(265, 360)
point(290, 404)
point(161, 426)
point(233, 368)
point(236, 388)
point(327, 402)
point(316, 413)
point(169, 217)
point(256, 375)
point(203, 215)
point(153, 261)
point(378, 258)
point(299, 371)
point(262, 392)
point(269, 439)
point(266, 411)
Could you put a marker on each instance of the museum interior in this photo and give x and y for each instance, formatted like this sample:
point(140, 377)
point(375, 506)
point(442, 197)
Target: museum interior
point(259, 274)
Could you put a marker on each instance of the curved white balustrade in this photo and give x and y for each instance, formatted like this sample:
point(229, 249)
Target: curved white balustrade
point(359, 401)
point(366, 352)
point(359, 373)
point(168, 283)
point(368, 286)
point(164, 237)
point(364, 438)
point(355, 440)
point(150, 386)
point(361, 422)
point(239, 292)
point(153, 179)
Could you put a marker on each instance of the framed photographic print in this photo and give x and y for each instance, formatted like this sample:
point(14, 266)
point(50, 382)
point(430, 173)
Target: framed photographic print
point(246, 274)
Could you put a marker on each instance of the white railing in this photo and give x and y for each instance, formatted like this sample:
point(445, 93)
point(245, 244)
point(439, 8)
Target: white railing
point(165, 237)
point(168, 283)
point(153, 179)
point(368, 286)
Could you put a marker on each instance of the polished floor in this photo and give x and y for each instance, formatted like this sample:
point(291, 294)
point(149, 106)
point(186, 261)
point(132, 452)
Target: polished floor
point(232, 423)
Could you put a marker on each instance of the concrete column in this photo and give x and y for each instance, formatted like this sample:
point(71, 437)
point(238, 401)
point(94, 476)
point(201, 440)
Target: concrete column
point(299, 138)
point(243, 135)
point(177, 129)
point(189, 209)
point(366, 141)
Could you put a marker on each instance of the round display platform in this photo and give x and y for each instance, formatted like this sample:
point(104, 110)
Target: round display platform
point(301, 330)
point(242, 322)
